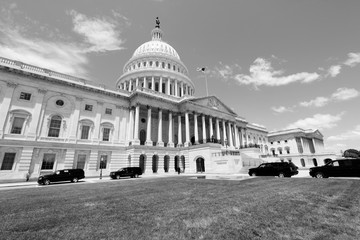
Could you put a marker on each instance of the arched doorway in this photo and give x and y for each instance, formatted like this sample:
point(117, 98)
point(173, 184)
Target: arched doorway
point(200, 165)
point(155, 163)
point(142, 162)
point(142, 137)
point(166, 163)
point(182, 163)
point(315, 162)
point(176, 163)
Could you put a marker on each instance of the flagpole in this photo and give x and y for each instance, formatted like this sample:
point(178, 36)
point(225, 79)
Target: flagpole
point(207, 91)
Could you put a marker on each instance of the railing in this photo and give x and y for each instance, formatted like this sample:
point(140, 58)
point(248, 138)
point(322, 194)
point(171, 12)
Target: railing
point(268, 155)
point(226, 153)
point(250, 145)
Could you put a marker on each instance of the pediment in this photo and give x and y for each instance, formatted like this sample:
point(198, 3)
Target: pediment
point(212, 102)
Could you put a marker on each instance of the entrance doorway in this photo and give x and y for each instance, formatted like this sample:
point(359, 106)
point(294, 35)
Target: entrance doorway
point(142, 162)
point(142, 137)
point(200, 165)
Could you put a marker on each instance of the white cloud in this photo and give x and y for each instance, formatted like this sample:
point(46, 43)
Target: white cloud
point(353, 59)
point(343, 94)
point(262, 73)
point(62, 54)
point(318, 121)
point(317, 102)
point(58, 56)
point(349, 135)
point(281, 109)
point(101, 34)
point(225, 71)
point(334, 70)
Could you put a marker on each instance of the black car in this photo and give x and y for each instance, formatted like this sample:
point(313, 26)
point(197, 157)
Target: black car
point(337, 168)
point(72, 175)
point(126, 172)
point(281, 169)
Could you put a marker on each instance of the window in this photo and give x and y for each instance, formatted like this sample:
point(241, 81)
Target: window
point(85, 132)
point(279, 142)
point(302, 162)
point(88, 107)
point(25, 96)
point(17, 125)
point(55, 124)
point(271, 143)
point(48, 161)
point(285, 141)
point(60, 103)
point(81, 161)
point(106, 134)
point(108, 111)
point(8, 161)
point(103, 161)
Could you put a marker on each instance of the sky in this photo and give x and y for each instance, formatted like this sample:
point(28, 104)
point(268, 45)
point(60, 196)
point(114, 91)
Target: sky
point(281, 64)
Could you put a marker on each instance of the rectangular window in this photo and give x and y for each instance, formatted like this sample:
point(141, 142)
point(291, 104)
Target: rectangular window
point(103, 161)
point(81, 161)
point(25, 96)
point(55, 124)
point(85, 132)
point(8, 161)
point(108, 111)
point(17, 125)
point(48, 161)
point(106, 134)
point(88, 107)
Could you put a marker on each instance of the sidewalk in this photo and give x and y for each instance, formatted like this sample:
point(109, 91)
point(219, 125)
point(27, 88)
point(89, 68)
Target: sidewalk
point(95, 179)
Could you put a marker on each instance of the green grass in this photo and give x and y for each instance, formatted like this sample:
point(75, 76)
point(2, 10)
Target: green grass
point(184, 208)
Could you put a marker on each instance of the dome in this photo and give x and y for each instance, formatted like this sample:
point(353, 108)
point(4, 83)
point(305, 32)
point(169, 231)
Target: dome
point(156, 47)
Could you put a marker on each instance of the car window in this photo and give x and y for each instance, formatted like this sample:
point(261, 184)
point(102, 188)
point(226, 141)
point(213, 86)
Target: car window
point(57, 172)
point(262, 166)
point(335, 164)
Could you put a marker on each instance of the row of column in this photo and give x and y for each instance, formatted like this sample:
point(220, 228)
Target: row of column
point(232, 134)
point(172, 86)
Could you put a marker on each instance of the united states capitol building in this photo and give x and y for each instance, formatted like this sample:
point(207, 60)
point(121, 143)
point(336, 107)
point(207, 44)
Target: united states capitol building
point(151, 118)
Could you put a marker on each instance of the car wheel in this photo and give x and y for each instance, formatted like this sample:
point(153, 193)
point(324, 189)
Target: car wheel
point(47, 182)
point(253, 174)
point(281, 175)
point(117, 176)
point(74, 180)
point(319, 175)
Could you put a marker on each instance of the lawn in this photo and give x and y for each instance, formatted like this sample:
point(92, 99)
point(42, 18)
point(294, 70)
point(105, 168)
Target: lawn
point(185, 208)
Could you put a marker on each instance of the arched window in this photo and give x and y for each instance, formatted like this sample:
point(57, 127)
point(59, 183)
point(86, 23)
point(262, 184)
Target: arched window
point(287, 149)
point(315, 162)
point(55, 125)
point(163, 65)
point(302, 162)
point(280, 150)
point(155, 163)
point(166, 163)
point(157, 64)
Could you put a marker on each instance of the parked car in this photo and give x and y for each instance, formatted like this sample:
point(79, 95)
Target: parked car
point(281, 169)
point(72, 175)
point(337, 168)
point(126, 172)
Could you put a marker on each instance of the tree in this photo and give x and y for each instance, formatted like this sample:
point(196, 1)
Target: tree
point(351, 153)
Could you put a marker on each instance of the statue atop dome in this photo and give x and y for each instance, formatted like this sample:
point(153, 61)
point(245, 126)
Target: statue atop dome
point(157, 21)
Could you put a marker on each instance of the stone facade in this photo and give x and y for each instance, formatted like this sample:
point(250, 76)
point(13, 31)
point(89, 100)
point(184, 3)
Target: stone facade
point(151, 119)
point(305, 148)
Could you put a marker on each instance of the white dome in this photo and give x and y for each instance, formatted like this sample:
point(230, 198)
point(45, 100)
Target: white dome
point(156, 47)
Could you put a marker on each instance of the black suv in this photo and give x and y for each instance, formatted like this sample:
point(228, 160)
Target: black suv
point(72, 175)
point(281, 169)
point(126, 172)
point(337, 168)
